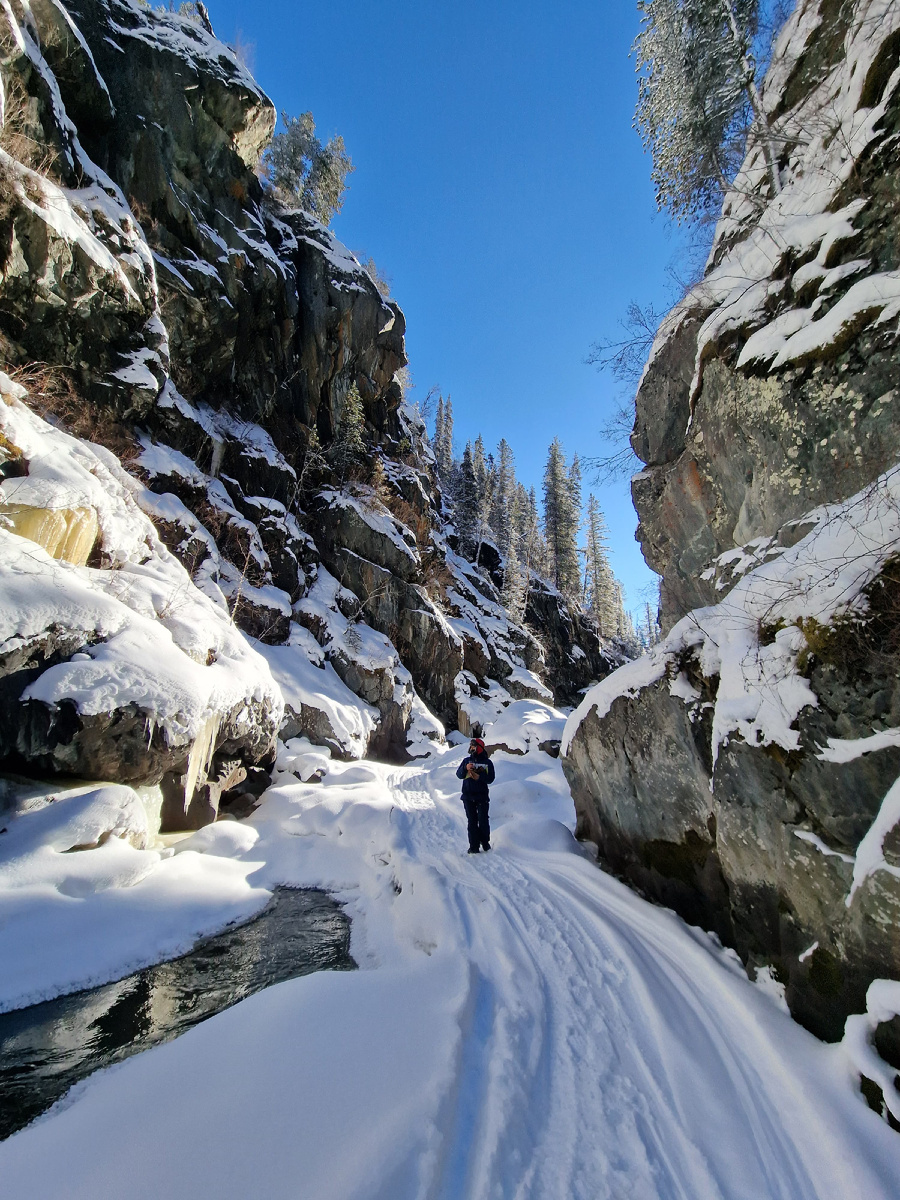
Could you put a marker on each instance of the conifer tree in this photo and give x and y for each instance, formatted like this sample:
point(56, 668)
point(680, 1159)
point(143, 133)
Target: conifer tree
point(531, 540)
point(626, 625)
point(305, 172)
point(467, 516)
point(504, 493)
point(649, 629)
point(438, 434)
point(514, 593)
point(575, 488)
point(485, 482)
point(379, 480)
point(561, 522)
point(349, 446)
point(602, 594)
point(479, 463)
point(443, 443)
point(699, 99)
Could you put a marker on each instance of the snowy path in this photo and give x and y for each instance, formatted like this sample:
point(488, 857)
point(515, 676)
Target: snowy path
point(524, 1028)
point(604, 1054)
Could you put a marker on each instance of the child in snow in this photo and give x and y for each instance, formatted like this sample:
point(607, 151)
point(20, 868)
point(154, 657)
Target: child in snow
point(477, 772)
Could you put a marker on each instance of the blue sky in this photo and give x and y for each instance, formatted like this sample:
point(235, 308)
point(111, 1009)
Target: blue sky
point(500, 186)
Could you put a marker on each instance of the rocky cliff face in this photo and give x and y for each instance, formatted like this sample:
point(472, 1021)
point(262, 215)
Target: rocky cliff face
point(744, 773)
point(160, 312)
point(771, 386)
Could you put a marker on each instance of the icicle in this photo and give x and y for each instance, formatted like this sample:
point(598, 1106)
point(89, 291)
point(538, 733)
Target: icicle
point(200, 756)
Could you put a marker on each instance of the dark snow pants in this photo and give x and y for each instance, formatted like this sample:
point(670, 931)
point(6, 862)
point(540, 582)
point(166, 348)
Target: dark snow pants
point(479, 825)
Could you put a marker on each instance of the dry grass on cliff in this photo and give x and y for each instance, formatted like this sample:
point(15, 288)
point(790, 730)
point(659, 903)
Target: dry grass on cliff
point(7, 194)
point(20, 129)
point(53, 394)
point(438, 579)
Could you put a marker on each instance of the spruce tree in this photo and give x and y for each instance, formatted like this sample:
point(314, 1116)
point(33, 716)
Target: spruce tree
point(438, 442)
point(485, 482)
point(531, 540)
point(602, 592)
point(504, 492)
point(443, 444)
point(514, 593)
point(349, 447)
point(561, 522)
point(466, 516)
point(575, 487)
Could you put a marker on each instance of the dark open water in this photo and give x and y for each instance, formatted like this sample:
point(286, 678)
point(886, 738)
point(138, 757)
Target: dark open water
point(47, 1048)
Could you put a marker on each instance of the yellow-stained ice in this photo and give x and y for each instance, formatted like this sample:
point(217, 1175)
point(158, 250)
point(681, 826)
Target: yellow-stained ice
point(65, 533)
point(200, 756)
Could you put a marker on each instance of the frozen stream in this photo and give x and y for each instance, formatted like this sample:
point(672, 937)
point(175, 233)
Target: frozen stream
point(46, 1048)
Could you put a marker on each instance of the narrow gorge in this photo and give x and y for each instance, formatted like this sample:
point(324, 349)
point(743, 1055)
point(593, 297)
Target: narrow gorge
point(244, 639)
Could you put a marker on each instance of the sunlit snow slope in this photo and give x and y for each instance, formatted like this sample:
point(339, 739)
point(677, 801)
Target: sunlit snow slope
point(522, 1027)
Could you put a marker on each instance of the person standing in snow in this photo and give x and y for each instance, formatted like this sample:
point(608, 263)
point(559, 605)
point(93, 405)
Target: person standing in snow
point(477, 773)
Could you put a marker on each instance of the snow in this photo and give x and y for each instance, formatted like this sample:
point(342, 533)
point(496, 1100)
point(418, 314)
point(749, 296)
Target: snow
point(522, 1026)
point(628, 680)
point(806, 835)
point(844, 750)
point(158, 641)
point(352, 276)
point(301, 758)
point(530, 682)
point(480, 704)
point(352, 720)
point(378, 519)
point(523, 724)
point(882, 1003)
point(188, 40)
point(870, 852)
point(796, 334)
point(74, 918)
point(138, 372)
point(761, 691)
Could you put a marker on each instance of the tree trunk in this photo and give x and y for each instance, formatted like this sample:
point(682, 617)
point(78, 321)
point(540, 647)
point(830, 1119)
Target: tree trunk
point(762, 121)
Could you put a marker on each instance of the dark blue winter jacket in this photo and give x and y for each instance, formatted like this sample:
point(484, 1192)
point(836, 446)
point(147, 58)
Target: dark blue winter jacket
point(476, 789)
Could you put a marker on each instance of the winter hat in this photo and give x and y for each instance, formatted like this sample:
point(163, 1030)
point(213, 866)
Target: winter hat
point(477, 742)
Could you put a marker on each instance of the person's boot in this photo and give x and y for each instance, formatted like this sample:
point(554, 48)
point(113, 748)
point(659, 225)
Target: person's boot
point(473, 850)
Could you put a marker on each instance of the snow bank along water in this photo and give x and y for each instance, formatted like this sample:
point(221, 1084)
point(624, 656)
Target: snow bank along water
point(46, 1049)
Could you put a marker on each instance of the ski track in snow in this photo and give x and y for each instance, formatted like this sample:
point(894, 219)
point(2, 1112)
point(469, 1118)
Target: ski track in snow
point(524, 1028)
point(569, 1083)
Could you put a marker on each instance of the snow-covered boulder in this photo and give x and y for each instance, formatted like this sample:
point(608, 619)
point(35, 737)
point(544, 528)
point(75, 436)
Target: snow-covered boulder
point(524, 725)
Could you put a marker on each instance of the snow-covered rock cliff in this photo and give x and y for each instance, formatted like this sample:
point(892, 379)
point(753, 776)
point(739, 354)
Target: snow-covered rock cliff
point(744, 772)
